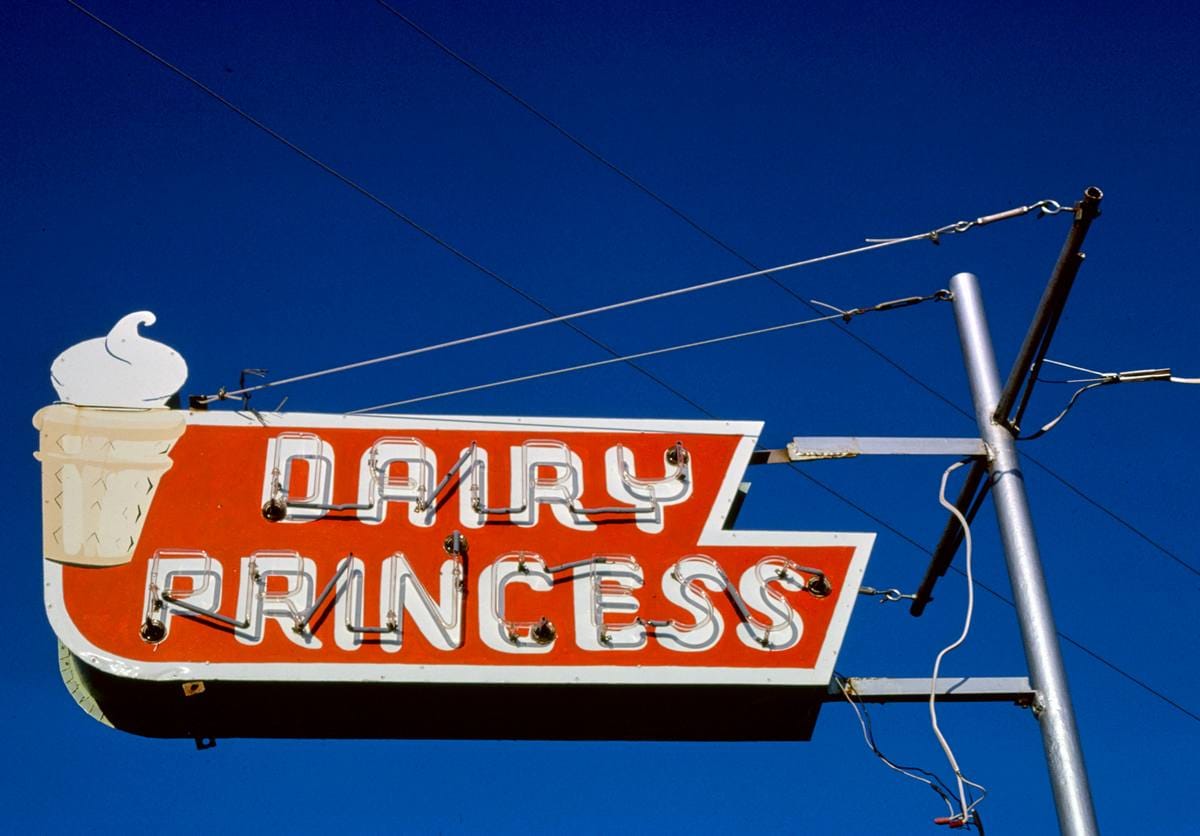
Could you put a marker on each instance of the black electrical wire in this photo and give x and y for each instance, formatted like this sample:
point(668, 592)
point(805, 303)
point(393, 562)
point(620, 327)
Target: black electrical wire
point(450, 248)
point(724, 245)
point(931, 779)
point(432, 236)
point(1053, 422)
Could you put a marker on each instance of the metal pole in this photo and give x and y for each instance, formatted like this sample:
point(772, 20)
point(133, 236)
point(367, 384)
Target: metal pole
point(1045, 320)
point(1060, 737)
point(970, 498)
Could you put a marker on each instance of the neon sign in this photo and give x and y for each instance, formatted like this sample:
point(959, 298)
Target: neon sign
point(330, 568)
point(502, 551)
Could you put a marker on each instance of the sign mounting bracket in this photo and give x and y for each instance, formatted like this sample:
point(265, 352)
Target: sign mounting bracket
point(878, 689)
point(814, 448)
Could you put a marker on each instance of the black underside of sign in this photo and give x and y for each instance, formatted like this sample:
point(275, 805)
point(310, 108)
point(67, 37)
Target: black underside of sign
point(226, 709)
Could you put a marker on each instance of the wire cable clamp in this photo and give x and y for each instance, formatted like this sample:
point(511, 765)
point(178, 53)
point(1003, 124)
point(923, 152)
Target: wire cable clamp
point(1042, 207)
point(1097, 380)
point(891, 305)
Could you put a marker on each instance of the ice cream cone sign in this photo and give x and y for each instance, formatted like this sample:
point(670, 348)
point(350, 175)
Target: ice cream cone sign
point(122, 369)
point(105, 448)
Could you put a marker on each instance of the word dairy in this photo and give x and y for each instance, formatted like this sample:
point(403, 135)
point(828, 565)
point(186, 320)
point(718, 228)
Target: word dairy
point(298, 482)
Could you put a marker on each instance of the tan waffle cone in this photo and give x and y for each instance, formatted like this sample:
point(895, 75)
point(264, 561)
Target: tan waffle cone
point(100, 468)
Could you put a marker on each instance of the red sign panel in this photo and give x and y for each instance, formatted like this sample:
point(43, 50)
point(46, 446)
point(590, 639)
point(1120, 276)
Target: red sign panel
point(220, 547)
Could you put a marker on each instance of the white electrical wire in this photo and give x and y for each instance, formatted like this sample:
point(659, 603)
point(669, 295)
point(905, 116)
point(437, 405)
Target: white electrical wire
point(1101, 379)
point(595, 364)
point(500, 332)
point(1095, 374)
point(846, 316)
point(937, 664)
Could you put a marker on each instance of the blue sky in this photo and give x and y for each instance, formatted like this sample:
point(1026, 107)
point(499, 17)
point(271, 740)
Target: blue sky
point(785, 130)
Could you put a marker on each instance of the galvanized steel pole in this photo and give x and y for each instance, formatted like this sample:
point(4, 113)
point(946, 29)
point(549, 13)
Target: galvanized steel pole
point(1060, 737)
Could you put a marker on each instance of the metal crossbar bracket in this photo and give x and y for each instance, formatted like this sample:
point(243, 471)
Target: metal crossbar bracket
point(1032, 354)
point(1014, 689)
point(846, 447)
